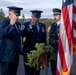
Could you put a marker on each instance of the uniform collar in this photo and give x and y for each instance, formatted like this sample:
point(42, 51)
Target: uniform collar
point(58, 23)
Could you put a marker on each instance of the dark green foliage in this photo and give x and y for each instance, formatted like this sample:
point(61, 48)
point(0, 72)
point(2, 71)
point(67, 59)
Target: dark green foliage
point(35, 55)
point(2, 15)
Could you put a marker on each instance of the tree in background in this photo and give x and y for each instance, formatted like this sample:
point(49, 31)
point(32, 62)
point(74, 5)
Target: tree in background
point(2, 15)
point(48, 22)
point(22, 19)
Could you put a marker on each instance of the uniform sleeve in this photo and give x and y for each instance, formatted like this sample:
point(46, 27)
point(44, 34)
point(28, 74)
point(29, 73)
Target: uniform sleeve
point(5, 29)
point(26, 29)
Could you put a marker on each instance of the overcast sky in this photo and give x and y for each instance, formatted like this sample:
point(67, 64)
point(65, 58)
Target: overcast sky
point(45, 5)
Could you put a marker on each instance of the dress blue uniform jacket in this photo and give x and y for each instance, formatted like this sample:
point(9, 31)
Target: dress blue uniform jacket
point(9, 41)
point(53, 41)
point(32, 36)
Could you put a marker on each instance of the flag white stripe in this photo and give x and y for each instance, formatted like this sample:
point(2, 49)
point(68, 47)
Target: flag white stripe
point(70, 8)
point(64, 43)
point(74, 32)
point(74, 17)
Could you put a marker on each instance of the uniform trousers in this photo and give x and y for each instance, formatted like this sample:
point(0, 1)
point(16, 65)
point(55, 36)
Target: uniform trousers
point(53, 66)
point(8, 68)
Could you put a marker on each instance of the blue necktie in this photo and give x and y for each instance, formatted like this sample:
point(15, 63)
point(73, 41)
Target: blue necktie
point(35, 28)
point(57, 28)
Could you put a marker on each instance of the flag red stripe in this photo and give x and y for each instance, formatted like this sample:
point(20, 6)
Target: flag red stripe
point(57, 72)
point(67, 24)
point(74, 40)
point(74, 27)
point(65, 38)
point(62, 56)
point(74, 9)
point(74, 24)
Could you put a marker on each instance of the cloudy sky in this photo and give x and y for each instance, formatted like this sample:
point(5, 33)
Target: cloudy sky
point(45, 5)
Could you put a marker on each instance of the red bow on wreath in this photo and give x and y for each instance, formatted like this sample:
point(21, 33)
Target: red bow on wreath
point(43, 60)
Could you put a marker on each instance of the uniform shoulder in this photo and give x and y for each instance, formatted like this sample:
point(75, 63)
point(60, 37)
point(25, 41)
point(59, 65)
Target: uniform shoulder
point(54, 23)
point(5, 21)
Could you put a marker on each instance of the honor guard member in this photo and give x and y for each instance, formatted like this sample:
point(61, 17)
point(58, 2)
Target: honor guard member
point(10, 42)
point(35, 32)
point(53, 41)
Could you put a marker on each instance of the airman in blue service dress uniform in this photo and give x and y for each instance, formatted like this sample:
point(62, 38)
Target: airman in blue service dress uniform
point(35, 32)
point(53, 41)
point(10, 42)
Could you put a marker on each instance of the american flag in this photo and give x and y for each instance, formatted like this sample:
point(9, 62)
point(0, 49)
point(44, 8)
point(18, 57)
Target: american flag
point(66, 35)
point(74, 26)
